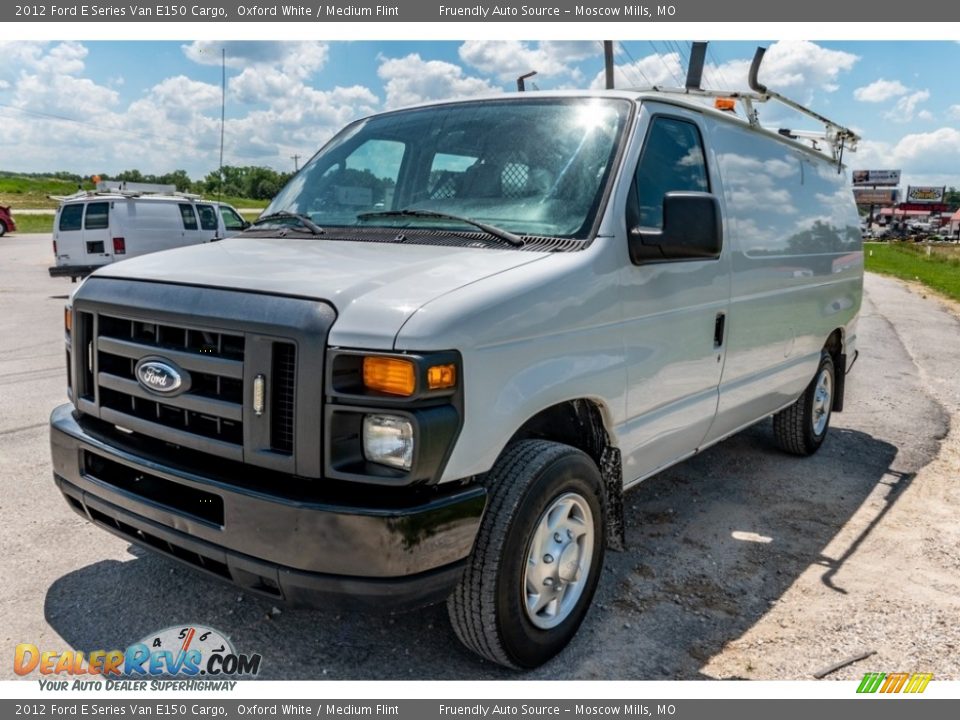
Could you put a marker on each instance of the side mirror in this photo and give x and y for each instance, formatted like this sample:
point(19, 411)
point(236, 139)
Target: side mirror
point(246, 224)
point(692, 230)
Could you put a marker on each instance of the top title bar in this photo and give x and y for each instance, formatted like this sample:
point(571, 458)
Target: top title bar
point(465, 11)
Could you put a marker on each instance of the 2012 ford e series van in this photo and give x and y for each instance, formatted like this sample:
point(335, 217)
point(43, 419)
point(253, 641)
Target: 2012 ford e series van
point(452, 342)
point(122, 220)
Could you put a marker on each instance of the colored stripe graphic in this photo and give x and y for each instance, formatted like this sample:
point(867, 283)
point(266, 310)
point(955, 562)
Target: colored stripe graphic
point(914, 683)
point(894, 682)
point(918, 682)
point(871, 682)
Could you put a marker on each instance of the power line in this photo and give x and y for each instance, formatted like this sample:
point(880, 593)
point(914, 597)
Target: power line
point(666, 66)
point(92, 127)
point(634, 66)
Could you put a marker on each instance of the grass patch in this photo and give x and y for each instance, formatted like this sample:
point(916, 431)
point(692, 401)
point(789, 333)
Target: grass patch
point(33, 224)
point(21, 192)
point(936, 266)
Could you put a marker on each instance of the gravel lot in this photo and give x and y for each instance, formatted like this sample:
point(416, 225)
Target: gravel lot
point(856, 549)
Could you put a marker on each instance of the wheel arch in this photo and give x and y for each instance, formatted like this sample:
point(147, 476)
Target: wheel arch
point(582, 423)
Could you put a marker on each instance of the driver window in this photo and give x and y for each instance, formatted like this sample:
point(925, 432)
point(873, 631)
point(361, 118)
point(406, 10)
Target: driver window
point(365, 180)
point(672, 159)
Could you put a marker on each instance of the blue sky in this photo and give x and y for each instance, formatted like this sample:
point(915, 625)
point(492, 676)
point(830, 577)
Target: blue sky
point(92, 107)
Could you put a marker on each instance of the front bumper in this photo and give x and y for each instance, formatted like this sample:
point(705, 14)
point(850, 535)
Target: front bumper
point(384, 548)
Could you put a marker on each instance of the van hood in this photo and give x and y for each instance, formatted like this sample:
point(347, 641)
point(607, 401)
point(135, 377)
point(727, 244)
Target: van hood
point(375, 287)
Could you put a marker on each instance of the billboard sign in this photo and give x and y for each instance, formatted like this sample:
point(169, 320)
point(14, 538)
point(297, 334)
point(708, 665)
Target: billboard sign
point(880, 196)
point(925, 194)
point(890, 178)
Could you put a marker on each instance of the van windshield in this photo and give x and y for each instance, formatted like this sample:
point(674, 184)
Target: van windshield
point(534, 166)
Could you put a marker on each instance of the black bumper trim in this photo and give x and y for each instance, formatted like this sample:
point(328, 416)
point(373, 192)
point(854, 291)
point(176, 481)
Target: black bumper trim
point(73, 271)
point(296, 587)
point(304, 552)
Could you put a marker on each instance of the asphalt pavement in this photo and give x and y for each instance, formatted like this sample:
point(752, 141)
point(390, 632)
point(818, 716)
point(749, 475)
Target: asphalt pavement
point(684, 589)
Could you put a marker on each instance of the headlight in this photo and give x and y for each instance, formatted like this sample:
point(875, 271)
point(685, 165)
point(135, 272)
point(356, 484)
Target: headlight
point(388, 440)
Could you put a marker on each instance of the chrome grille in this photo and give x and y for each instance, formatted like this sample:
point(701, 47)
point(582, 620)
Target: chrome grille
point(222, 339)
point(212, 407)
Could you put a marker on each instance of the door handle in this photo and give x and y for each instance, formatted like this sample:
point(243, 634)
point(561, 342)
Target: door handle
point(718, 328)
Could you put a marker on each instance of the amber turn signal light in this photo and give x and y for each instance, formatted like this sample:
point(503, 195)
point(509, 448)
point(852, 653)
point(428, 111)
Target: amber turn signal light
point(440, 377)
point(67, 320)
point(390, 375)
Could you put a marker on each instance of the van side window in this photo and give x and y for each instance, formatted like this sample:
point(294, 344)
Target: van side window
point(71, 217)
point(231, 220)
point(189, 219)
point(208, 217)
point(98, 216)
point(672, 159)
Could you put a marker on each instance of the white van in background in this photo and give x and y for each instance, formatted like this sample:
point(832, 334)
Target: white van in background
point(122, 220)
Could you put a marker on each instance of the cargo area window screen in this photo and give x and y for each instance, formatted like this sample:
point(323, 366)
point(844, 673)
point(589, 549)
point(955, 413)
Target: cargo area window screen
point(97, 217)
point(71, 217)
point(189, 218)
point(672, 160)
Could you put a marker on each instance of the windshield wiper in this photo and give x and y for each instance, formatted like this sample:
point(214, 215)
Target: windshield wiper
point(302, 219)
point(505, 235)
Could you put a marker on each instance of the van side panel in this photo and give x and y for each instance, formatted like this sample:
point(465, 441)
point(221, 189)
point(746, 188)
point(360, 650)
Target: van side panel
point(797, 269)
point(670, 312)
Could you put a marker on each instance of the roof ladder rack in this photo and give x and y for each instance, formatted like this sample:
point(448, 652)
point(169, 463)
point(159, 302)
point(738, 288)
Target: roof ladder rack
point(837, 137)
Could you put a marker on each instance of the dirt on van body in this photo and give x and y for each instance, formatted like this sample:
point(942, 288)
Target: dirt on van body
point(786, 567)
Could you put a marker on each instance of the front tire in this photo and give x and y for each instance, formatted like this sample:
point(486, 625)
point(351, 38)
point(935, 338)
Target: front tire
point(537, 558)
point(801, 428)
point(3, 228)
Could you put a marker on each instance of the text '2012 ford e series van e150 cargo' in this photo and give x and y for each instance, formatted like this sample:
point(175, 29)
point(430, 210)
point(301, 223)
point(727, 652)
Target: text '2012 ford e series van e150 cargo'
point(460, 332)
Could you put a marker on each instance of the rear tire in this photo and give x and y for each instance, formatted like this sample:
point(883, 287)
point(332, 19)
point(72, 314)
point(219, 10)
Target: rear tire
point(537, 557)
point(801, 428)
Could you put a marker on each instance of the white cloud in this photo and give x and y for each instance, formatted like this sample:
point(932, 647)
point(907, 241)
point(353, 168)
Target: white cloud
point(411, 79)
point(954, 111)
point(45, 78)
point(906, 107)
point(509, 59)
point(805, 65)
point(928, 158)
point(299, 59)
point(650, 70)
point(73, 122)
point(880, 91)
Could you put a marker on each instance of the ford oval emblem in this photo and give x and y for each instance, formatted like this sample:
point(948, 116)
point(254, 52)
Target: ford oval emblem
point(161, 376)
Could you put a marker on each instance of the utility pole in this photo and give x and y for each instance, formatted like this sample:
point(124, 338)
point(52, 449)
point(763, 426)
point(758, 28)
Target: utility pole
point(296, 162)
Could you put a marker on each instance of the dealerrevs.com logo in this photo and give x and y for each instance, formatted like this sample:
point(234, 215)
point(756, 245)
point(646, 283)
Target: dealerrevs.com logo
point(186, 657)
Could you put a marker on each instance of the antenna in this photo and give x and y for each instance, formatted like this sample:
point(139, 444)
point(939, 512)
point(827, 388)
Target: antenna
point(223, 118)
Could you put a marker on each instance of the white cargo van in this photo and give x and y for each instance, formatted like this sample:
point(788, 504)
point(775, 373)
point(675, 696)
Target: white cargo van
point(122, 220)
point(455, 338)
